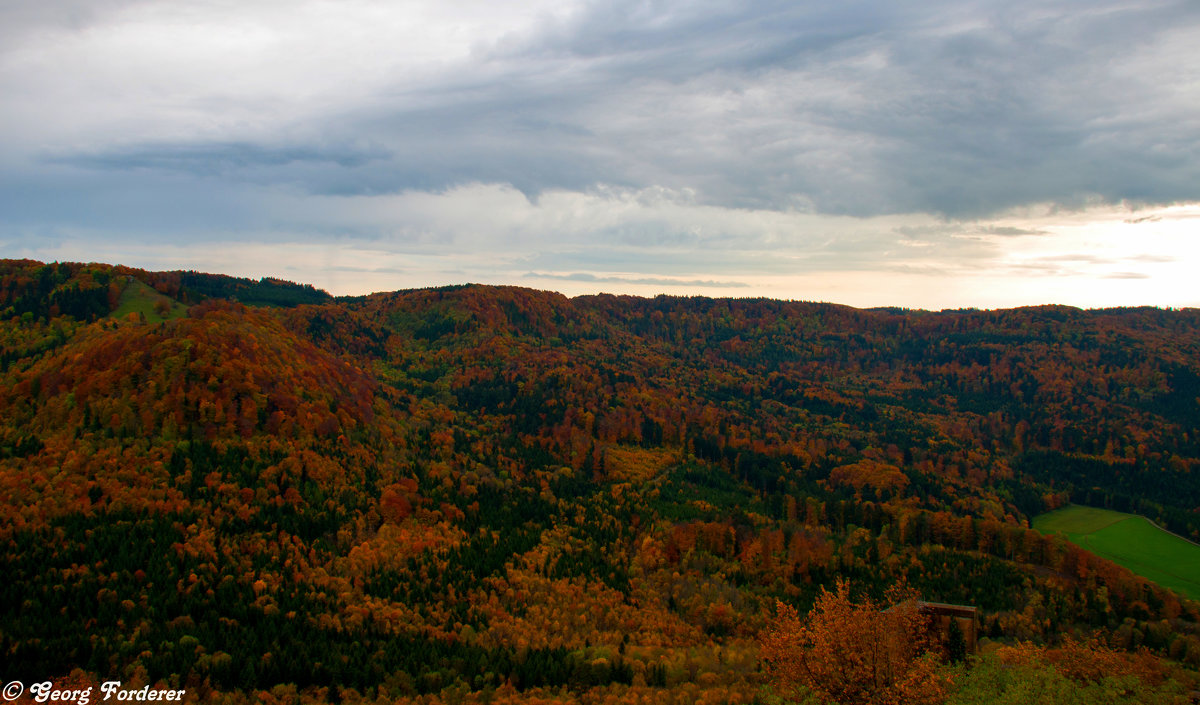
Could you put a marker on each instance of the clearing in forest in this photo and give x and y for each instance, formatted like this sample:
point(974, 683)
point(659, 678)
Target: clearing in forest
point(1132, 541)
point(137, 297)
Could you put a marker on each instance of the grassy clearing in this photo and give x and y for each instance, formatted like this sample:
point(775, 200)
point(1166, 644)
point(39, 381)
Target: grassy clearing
point(140, 298)
point(1076, 519)
point(1131, 541)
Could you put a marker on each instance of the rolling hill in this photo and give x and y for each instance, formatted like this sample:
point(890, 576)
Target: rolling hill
point(244, 487)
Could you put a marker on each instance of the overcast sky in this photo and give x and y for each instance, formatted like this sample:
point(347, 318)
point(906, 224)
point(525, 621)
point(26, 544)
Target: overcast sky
point(931, 154)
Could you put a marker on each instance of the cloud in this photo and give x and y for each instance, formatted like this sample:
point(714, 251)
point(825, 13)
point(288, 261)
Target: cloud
point(650, 143)
point(654, 281)
point(919, 234)
point(19, 20)
point(368, 270)
point(962, 109)
point(1008, 231)
point(1082, 257)
point(215, 158)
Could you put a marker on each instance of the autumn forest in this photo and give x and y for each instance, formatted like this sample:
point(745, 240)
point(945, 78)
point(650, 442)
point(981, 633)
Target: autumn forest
point(258, 492)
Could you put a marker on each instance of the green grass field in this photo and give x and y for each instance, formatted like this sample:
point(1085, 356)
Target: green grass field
point(139, 298)
point(1131, 541)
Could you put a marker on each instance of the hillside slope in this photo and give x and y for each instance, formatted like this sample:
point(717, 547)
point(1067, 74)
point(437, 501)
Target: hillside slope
point(479, 487)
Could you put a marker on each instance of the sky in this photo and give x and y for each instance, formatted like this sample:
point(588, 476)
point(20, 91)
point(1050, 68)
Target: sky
point(935, 154)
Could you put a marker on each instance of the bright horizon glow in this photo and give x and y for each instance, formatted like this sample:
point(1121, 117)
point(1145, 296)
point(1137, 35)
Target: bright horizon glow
point(1099, 257)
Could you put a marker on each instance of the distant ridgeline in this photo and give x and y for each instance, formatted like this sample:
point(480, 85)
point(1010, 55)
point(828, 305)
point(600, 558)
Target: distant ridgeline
point(195, 286)
point(237, 485)
point(88, 291)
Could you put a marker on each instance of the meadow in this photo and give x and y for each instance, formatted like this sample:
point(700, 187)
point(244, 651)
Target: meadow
point(137, 297)
point(1132, 541)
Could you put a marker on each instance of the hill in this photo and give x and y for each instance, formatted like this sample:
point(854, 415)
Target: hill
point(492, 489)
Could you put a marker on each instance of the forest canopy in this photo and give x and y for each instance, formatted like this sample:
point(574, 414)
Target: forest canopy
point(486, 493)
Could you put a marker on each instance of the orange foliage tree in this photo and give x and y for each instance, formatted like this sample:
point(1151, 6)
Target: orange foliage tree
point(854, 652)
point(1089, 661)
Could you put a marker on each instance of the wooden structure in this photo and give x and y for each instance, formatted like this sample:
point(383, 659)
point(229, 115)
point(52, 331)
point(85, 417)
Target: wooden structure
point(942, 615)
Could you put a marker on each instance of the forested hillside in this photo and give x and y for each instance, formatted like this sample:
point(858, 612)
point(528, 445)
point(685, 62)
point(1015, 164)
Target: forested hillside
point(491, 494)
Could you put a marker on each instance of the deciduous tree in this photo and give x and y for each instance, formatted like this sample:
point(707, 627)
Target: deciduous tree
point(854, 653)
